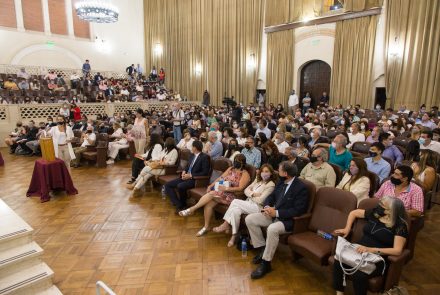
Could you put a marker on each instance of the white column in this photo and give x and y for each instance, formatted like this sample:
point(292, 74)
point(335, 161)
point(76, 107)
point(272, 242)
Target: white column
point(69, 19)
point(19, 15)
point(46, 17)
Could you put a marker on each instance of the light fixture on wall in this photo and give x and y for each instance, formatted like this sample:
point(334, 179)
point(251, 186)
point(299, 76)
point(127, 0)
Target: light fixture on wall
point(198, 69)
point(97, 11)
point(306, 19)
point(158, 49)
point(251, 62)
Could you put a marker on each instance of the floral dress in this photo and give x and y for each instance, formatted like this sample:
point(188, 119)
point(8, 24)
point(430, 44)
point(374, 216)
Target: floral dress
point(233, 177)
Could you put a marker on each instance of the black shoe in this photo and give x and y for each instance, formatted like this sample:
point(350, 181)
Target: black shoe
point(259, 257)
point(131, 181)
point(261, 270)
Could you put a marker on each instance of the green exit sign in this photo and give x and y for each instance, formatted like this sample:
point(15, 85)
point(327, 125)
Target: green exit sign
point(315, 42)
point(50, 44)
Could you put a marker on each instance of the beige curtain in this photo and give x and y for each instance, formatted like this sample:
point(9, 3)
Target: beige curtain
point(412, 73)
point(276, 12)
point(353, 61)
point(280, 66)
point(359, 5)
point(223, 37)
point(300, 9)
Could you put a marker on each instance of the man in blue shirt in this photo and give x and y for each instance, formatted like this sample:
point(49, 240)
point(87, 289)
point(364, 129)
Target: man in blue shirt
point(376, 163)
point(216, 149)
point(252, 154)
point(262, 127)
point(391, 151)
point(86, 68)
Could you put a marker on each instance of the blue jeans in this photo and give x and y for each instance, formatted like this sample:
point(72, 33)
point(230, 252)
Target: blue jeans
point(177, 132)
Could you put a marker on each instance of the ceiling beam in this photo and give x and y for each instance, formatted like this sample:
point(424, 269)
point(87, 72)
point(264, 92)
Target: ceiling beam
point(323, 20)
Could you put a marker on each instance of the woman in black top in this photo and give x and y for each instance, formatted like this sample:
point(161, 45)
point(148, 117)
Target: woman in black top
point(385, 233)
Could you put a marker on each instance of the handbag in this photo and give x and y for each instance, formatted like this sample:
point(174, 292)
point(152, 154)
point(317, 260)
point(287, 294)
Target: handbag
point(396, 291)
point(346, 254)
point(154, 165)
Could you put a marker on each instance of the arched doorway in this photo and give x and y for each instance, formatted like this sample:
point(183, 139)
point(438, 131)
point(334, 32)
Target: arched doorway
point(315, 79)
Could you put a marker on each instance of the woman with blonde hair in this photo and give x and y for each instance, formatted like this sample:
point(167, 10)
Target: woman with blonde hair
point(425, 168)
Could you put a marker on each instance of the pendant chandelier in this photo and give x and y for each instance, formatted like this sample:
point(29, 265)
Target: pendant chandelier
point(97, 11)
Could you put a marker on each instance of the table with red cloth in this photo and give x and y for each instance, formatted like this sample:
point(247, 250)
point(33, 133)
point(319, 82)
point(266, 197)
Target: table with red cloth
point(48, 176)
point(1, 160)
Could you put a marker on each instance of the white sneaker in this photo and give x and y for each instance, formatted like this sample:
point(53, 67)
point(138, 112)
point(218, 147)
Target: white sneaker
point(109, 162)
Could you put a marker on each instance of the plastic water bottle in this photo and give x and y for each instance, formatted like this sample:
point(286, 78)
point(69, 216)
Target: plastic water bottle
point(324, 235)
point(164, 195)
point(243, 248)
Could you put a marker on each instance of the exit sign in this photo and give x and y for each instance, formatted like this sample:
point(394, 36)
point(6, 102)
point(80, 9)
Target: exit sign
point(50, 43)
point(315, 42)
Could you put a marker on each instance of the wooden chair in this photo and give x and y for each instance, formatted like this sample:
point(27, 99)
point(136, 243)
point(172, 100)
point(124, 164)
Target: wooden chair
point(97, 152)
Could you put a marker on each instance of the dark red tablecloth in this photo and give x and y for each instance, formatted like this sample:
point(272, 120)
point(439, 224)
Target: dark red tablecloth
point(1, 160)
point(48, 176)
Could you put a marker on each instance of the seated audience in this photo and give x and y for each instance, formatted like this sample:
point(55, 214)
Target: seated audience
point(228, 134)
point(186, 141)
point(236, 177)
point(214, 147)
point(385, 233)
point(425, 168)
point(400, 186)
point(262, 127)
point(198, 165)
point(355, 135)
point(391, 151)
point(252, 154)
point(274, 157)
point(290, 154)
point(426, 142)
point(356, 179)
point(413, 147)
point(318, 170)
point(152, 168)
point(376, 164)
point(87, 138)
point(34, 145)
point(288, 200)
point(281, 142)
point(233, 150)
point(339, 154)
point(256, 194)
point(374, 136)
point(115, 146)
point(301, 147)
point(10, 84)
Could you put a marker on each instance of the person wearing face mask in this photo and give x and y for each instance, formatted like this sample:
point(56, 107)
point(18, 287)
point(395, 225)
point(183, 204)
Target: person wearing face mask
point(356, 179)
point(374, 136)
point(10, 84)
point(384, 233)
point(355, 135)
point(391, 151)
point(375, 163)
point(233, 150)
point(413, 147)
point(252, 154)
point(292, 157)
point(65, 111)
point(400, 186)
point(242, 136)
point(339, 154)
point(274, 157)
point(237, 178)
point(280, 142)
point(228, 134)
point(289, 199)
point(301, 147)
point(214, 147)
point(315, 137)
point(87, 138)
point(186, 142)
point(426, 141)
point(34, 145)
point(62, 136)
point(215, 128)
point(115, 146)
point(76, 112)
point(256, 194)
point(262, 127)
point(318, 170)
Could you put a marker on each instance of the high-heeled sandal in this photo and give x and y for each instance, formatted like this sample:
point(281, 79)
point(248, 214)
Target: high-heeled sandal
point(232, 241)
point(202, 232)
point(184, 213)
point(221, 228)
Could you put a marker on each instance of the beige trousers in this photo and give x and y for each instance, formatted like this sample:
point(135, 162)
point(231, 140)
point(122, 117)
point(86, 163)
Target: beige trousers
point(254, 223)
point(63, 154)
point(236, 209)
point(139, 145)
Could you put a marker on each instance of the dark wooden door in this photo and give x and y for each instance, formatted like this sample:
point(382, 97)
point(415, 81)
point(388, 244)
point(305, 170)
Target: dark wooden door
point(315, 79)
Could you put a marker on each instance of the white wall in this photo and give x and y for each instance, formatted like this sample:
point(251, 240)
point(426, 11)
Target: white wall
point(124, 44)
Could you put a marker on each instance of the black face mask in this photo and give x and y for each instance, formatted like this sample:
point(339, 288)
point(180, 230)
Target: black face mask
point(232, 146)
point(246, 146)
point(89, 131)
point(395, 181)
point(203, 139)
point(313, 159)
point(60, 123)
point(237, 165)
point(380, 211)
point(372, 154)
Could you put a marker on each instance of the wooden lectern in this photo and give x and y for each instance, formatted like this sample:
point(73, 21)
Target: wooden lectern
point(47, 149)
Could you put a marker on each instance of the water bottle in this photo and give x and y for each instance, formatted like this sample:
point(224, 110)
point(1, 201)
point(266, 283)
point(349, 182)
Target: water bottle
point(324, 235)
point(164, 195)
point(243, 248)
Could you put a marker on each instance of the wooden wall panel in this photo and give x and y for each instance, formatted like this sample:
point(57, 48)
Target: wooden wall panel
point(33, 15)
point(7, 14)
point(57, 16)
point(81, 28)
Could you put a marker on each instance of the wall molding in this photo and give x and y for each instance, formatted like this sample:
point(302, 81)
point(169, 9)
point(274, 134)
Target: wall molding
point(43, 47)
point(326, 32)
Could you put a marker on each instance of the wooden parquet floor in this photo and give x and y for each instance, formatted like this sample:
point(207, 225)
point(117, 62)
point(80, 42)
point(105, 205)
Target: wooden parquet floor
point(142, 247)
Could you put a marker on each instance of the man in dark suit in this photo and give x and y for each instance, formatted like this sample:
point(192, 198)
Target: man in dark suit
point(198, 165)
point(288, 200)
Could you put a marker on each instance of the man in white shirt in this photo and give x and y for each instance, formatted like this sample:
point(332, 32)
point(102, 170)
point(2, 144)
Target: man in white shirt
point(426, 141)
point(355, 135)
point(161, 96)
point(178, 117)
point(87, 138)
point(280, 142)
point(262, 127)
point(293, 102)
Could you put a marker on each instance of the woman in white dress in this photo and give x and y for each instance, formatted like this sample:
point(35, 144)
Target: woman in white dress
point(256, 193)
point(122, 143)
point(154, 168)
point(62, 136)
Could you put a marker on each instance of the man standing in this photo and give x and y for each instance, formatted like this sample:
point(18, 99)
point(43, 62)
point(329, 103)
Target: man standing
point(307, 102)
point(198, 165)
point(139, 71)
point(324, 99)
point(86, 68)
point(178, 116)
point(293, 102)
point(288, 200)
point(130, 70)
point(206, 98)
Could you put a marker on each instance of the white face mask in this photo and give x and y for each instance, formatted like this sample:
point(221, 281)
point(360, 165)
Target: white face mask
point(363, 127)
